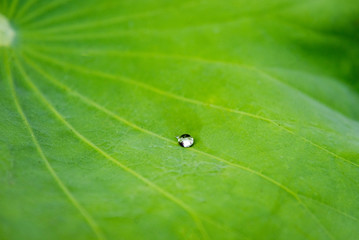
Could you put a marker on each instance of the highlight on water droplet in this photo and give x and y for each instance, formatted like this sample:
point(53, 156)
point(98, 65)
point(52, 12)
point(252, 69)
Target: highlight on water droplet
point(185, 140)
point(7, 34)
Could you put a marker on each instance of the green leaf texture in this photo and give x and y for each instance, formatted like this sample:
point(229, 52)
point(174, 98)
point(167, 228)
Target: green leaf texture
point(93, 94)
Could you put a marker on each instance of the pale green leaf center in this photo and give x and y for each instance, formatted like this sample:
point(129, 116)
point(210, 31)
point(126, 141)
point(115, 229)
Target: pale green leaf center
point(7, 34)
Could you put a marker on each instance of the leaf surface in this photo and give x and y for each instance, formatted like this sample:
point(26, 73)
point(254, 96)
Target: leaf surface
point(93, 94)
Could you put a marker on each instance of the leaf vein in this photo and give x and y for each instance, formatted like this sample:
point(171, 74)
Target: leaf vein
point(90, 221)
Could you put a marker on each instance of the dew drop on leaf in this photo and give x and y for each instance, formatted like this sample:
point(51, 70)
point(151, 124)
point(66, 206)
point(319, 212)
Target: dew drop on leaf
point(185, 140)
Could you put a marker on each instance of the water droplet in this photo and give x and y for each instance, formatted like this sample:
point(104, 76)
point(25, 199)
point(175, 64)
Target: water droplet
point(185, 140)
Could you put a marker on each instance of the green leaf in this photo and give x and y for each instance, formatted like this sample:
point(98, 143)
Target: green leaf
point(93, 94)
